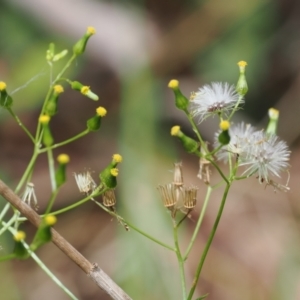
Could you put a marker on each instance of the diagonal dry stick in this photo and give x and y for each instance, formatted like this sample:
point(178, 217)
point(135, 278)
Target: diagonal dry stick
point(92, 270)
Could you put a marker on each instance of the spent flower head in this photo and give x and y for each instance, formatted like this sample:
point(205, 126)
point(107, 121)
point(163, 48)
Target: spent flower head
point(266, 156)
point(262, 154)
point(29, 196)
point(240, 139)
point(218, 98)
point(85, 182)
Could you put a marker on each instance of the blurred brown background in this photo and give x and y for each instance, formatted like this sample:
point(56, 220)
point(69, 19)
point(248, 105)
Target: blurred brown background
point(138, 48)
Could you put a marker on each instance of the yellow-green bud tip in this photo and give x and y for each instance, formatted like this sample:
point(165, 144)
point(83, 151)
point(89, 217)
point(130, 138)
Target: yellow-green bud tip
point(2, 86)
point(242, 63)
point(63, 159)
point(273, 113)
point(224, 125)
point(114, 172)
point(85, 89)
point(101, 111)
point(44, 119)
point(58, 89)
point(173, 84)
point(91, 30)
point(175, 130)
point(50, 220)
point(117, 158)
point(20, 236)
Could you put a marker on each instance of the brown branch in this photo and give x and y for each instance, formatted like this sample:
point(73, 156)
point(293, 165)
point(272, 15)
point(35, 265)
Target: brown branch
point(101, 279)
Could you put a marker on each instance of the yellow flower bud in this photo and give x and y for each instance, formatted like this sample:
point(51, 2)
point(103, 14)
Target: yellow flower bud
point(50, 220)
point(44, 119)
point(20, 236)
point(117, 158)
point(101, 111)
point(2, 86)
point(224, 125)
point(63, 159)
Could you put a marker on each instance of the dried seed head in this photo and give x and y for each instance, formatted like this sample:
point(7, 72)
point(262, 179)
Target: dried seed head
point(178, 176)
point(29, 196)
point(109, 198)
point(167, 194)
point(85, 182)
point(190, 198)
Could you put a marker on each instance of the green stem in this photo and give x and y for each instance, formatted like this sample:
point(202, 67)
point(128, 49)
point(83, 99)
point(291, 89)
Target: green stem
point(21, 124)
point(218, 169)
point(83, 133)
point(135, 228)
point(51, 169)
point(51, 201)
point(180, 260)
point(68, 64)
point(27, 172)
point(7, 224)
point(235, 107)
point(196, 230)
point(195, 129)
point(208, 243)
point(67, 208)
point(215, 150)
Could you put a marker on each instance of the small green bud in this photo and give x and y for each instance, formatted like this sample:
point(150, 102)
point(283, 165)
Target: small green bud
point(6, 101)
point(189, 144)
point(51, 106)
point(109, 175)
point(84, 89)
point(181, 101)
point(79, 47)
point(273, 121)
point(60, 175)
point(43, 234)
point(19, 250)
point(94, 123)
point(47, 136)
point(60, 55)
point(242, 87)
point(50, 52)
point(224, 137)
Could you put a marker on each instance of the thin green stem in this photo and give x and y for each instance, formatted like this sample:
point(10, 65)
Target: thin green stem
point(7, 224)
point(180, 260)
point(218, 169)
point(27, 172)
point(134, 227)
point(51, 201)
point(215, 150)
point(208, 243)
point(198, 225)
point(51, 169)
point(76, 137)
point(68, 64)
point(235, 107)
point(21, 124)
point(67, 208)
point(4, 211)
point(195, 129)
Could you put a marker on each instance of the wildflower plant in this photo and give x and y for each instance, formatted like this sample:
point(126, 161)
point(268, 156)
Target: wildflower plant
point(23, 198)
point(247, 151)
